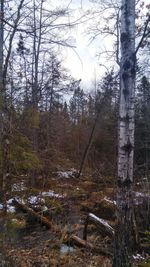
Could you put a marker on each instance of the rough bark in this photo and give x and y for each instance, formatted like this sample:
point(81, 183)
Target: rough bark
point(1, 65)
point(75, 240)
point(86, 151)
point(35, 75)
point(4, 142)
point(123, 242)
point(127, 91)
point(103, 226)
point(39, 218)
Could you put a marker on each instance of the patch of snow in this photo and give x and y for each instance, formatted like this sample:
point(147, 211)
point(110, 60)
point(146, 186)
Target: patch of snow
point(66, 249)
point(18, 187)
point(66, 174)
point(35, 200)
point(139, 197)
point(51, 193)
point(102, 221)
point(110, 201)
point(10, 207)
point(10, 201)
point(145, 179)
point(140, 194)
point(138, 257)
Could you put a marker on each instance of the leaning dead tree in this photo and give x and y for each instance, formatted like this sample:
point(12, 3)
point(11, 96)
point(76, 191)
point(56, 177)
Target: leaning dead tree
point(123, 242)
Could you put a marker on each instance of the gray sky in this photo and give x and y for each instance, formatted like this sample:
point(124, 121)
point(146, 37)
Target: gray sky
point(82, 61)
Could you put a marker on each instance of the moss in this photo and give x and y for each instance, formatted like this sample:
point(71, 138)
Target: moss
point(145, 263)
point(55, 205)
point(21, 157)
point(32, 118)
point(16, 224)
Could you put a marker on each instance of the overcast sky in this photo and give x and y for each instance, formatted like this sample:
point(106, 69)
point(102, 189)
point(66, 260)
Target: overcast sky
point(82, 60)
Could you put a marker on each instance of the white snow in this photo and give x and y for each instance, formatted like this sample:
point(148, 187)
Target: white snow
point(18, 187)
point(66, 249)
point(140, 194)
point(138, 257)
point(139, 197)
point(145, 178)
point(102, 221)
point(10, 207)
point(110, 201)
point(35, 200)
point(51, 193)
point(66, 174)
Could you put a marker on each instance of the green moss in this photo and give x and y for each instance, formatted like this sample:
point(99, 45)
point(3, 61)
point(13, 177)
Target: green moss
point(145, 264)
point(55, 205)
point(22, 158)
point(16, 224)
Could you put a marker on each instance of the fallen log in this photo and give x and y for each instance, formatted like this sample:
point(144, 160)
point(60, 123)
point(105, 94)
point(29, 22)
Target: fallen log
point(39, 218)
point(75, 240)
point(103, 226)
point(63, 235)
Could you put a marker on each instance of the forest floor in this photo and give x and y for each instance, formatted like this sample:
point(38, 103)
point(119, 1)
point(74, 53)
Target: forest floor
point(66, 201)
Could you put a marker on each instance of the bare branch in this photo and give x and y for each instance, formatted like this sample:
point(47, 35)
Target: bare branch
point(145, 34)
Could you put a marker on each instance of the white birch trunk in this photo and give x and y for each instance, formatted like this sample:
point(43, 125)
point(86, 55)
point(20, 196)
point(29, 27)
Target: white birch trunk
point(1, 52)
point(127, 91)
point(123, 235)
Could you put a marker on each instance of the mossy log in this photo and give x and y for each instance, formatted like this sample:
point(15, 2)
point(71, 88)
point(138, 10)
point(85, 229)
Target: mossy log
point(39, 218)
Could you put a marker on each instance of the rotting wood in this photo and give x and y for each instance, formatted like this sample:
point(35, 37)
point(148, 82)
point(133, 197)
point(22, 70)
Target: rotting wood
point(64, 236)
point(75, 240)
point(39, 218)
point(103, 226)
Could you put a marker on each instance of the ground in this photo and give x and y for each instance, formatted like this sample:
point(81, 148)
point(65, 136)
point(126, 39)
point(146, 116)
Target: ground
point(66, 202)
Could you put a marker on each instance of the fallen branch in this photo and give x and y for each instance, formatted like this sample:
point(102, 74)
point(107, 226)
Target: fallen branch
point(63, 235)
point(75, 240)
point(103, 226)
point(39, 218)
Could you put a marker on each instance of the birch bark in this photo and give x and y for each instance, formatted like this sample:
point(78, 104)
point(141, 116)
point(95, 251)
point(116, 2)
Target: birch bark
point(1, 53)
point(127, 89)
point(123, 236)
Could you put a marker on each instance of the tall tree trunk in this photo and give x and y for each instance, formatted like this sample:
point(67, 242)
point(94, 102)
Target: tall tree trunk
point(123, 236)
point(87, 148)
point(1, 61)
point(3, 138)
point(35, 73)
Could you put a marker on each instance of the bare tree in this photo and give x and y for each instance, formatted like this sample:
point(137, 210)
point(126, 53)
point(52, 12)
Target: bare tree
point(122, 246)
point(4, 113)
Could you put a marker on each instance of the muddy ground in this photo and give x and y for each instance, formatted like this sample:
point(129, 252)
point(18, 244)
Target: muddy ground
point(26, 243)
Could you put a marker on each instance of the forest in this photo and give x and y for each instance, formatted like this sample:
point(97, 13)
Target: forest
point(74, 154)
